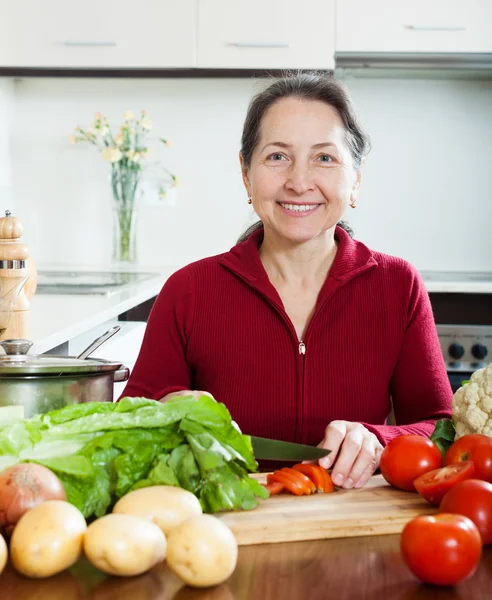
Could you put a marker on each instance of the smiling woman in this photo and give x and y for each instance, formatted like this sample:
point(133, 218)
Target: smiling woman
point(304, 333)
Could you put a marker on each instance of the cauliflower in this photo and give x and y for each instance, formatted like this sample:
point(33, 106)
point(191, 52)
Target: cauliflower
point(472, 405)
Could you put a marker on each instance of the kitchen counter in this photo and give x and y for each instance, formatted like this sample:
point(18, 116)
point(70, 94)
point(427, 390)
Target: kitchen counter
point(55, 319)
point(479, 282)
point(58, 318)
point(359, 568)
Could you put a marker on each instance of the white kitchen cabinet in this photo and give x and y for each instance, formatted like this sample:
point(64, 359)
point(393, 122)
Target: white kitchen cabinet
point(254, 34)
point(98, 33)
point(431, 26)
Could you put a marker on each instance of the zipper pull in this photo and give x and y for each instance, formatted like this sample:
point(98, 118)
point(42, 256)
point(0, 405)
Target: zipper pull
point(302, 348)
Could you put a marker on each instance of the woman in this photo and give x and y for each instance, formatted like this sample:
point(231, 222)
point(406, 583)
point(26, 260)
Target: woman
point(305, 334)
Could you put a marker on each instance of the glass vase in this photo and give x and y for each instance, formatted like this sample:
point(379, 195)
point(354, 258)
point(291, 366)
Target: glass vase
point(125, 185)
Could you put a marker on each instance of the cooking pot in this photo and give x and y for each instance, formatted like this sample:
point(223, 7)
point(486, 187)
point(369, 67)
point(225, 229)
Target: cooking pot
point(45, 382)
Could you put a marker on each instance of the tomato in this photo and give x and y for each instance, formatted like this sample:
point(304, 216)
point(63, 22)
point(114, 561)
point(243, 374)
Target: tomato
point(442, 549)
point(434, 484)
point(473, 499)
point(475, 447)
point(407, 457)
point(274, 488)
point(319, 476)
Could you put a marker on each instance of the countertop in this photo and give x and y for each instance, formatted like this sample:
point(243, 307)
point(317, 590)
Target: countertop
point(57, 318)
point(358, 568)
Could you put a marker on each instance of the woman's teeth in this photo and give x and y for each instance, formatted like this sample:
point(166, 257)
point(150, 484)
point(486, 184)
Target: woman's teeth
point(299, 207)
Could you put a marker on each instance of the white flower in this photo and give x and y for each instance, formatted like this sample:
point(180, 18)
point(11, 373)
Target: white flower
point(118, 139)
point(128, 115)
point(146, 124)
point(111, 154)
point(130, 154)
point(72, 139)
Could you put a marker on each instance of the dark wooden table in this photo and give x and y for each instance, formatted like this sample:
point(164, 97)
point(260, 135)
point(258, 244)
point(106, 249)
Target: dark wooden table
point(351, 568)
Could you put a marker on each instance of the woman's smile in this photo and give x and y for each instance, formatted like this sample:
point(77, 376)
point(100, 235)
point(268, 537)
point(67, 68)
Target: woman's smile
point(297, 209)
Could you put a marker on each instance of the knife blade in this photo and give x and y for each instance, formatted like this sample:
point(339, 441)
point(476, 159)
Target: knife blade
point(265, 448)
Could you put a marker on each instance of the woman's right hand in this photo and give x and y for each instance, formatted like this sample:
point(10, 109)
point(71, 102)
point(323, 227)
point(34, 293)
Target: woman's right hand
point(196, 393)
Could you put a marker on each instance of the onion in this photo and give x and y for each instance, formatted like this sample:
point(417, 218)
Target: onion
point(24, 486)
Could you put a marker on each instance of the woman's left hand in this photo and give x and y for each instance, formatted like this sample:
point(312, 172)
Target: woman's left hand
point(355, 453)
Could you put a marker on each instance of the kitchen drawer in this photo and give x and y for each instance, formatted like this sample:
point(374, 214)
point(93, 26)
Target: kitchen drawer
point(438, 26)
point(98, 33)
point(253, 34)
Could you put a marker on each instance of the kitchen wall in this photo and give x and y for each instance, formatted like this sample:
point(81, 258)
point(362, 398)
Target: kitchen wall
point(6, 119)
point(426, 193)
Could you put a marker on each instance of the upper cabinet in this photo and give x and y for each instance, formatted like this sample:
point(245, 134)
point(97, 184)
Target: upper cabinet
point(98, 33)
point(440, 26)
point(254, 34)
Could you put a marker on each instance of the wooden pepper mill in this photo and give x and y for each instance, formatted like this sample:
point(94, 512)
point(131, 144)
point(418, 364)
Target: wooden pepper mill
point(15, 266)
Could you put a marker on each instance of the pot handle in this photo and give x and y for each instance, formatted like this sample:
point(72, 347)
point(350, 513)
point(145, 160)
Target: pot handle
point(121, 374)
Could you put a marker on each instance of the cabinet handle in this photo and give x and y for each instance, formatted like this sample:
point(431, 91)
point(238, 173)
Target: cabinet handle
point(88, 43)
point(260, 44)
point(435, 27)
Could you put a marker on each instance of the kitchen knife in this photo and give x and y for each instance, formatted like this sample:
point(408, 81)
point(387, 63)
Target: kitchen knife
point(277, 450)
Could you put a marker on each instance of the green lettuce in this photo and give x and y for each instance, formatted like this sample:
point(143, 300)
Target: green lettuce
point(102, 451)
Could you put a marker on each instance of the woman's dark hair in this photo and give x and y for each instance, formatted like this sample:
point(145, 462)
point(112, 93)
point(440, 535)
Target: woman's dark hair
point(305, 86)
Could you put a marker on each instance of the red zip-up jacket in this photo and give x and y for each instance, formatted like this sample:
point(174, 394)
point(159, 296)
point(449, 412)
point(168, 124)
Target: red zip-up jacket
point(219, 325)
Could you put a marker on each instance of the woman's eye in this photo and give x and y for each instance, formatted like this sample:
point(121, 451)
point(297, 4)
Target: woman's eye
point(325, 158)
point(276, 156)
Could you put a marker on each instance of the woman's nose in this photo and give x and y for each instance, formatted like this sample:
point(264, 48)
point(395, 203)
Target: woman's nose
point(299, 179)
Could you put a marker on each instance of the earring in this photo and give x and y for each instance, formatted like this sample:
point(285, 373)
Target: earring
point(352, 204)
point(250, 200)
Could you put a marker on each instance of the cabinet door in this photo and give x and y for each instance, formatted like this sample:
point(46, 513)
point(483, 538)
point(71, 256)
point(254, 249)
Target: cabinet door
point(100, 33)
point(254, 34)
point(416, 26)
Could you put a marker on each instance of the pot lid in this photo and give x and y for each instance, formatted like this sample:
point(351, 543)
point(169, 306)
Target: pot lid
point(17, 362)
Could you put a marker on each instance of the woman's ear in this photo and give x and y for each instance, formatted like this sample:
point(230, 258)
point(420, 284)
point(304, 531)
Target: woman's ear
point(355, 188)
point(244, 173)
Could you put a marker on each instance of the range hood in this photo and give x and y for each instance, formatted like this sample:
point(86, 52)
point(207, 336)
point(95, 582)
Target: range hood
point(414, 60)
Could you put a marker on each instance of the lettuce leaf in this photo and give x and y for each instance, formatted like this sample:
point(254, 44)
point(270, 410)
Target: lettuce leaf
point(443, 435)
point(101, 451)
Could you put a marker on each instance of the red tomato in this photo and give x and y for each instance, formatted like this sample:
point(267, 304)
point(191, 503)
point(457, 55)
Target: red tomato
point(473, 499)
point(442, 549)
point(475, 447)
point(407, 457)
point(434, 484)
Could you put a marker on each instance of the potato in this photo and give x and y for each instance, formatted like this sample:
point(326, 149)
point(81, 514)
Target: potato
point(164, 505)
point(124, 544)
point(3, 553)
point(47, 539)
point(202, 551)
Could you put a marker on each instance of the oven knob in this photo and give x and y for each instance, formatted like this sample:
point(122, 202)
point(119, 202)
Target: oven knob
point(479, 351)
point(456, 351)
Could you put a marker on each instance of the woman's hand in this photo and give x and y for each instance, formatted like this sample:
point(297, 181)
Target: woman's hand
point(196, 393)
point(355, 453)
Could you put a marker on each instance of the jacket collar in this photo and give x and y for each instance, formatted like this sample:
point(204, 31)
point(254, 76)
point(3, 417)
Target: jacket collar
point(352, 258)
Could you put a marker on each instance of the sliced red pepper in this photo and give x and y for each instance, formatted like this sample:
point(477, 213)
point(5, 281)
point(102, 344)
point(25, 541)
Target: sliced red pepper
point(306, 482)
point(274, 487)
point(329, 487)
point(292, 486)
point(315, 474)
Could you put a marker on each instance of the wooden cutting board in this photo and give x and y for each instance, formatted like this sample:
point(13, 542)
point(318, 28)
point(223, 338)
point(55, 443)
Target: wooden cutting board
point(376, 509)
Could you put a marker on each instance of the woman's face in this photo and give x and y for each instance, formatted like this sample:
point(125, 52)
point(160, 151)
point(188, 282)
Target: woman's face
point(302, 176)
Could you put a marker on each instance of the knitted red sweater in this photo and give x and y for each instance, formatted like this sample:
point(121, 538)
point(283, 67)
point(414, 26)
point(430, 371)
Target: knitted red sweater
point(219, 325)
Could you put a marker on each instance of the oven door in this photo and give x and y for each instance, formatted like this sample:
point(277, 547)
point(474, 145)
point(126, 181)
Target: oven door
point(456, 378)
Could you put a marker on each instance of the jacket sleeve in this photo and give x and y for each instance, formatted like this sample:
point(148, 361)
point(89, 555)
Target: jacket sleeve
point(161, 366)
point(420, 388)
